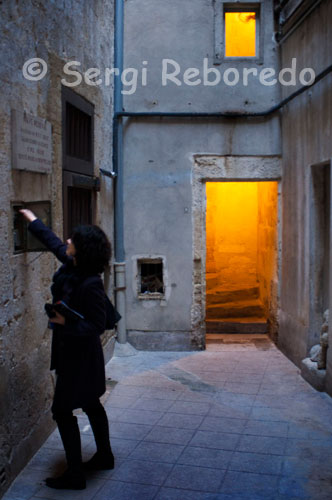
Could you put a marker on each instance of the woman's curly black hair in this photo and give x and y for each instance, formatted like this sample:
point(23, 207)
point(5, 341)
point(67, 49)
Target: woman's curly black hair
point(93, 249)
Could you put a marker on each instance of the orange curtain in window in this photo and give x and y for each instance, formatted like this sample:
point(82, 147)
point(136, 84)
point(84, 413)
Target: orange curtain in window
point(240, 34)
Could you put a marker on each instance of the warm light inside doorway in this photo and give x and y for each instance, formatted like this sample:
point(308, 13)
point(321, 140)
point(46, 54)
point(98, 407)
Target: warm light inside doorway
point(240, 34)
point(241, 239)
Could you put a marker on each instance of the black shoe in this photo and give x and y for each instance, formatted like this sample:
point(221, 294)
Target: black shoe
point(68, 481)
point(100, 462)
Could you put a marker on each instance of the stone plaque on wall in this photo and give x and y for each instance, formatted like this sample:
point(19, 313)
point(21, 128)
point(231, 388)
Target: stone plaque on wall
point(31, 143)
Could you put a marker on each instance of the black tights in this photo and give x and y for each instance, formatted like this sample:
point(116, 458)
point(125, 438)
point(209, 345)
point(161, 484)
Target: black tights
point(70, 434)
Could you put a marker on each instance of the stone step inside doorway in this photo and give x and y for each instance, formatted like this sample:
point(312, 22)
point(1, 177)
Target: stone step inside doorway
point(236, 325)
point(236, 310)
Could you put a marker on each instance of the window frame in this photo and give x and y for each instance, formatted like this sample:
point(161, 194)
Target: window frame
point(223, 6)
point(70, 163)
point(90, 183)
point(149, 295)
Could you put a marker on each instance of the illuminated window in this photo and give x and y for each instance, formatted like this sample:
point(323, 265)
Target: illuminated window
point(238, 30)
point(240, 34)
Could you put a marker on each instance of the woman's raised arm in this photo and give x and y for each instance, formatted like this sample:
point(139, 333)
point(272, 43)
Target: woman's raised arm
point(45, 235)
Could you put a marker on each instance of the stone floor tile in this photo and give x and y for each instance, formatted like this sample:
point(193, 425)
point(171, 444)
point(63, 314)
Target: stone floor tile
point(150, 379)
point(155, 393)
point(128, 391)
point(308, 467)
point(259, 486)
point(196, 396)
point(84, 425)
point(278, 389)
point(54, 441)
point(190, 407)
point(306, 448)
point(308, 430)
point(256, 462)
point(280, 496)
point(227, 398)
point(118, 490)
point(92, 487)
point(264, 428)
point(295, 488)
point(243, 496)
point(229, 411)
point(205, 457)
point(218, 440)
point(130, 431)
point(47, 459)
point(141, 416)
point(237, 432)
point(169, 435)
point(274, 400)
point(121, 447)
point(249, 370)
point(160, 452)
point(114, 413)
point(120, 402)
point(31, 498)
point(26, 484)
point(261, 444)
point(245, 378)
point(180, 494)
point(213, 376)
point(195, 478)
point(218, 366)
point(142, 471)
point(230, 348)
point(153, 404)
point(214, 424)
point(269, 414)
point(181, 421)
point(241, 388)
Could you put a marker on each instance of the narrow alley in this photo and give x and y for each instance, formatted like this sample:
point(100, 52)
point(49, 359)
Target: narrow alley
point(236, 421)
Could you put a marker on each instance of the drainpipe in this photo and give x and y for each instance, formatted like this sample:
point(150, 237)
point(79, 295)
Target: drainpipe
point(226, 114)
point(119, 264)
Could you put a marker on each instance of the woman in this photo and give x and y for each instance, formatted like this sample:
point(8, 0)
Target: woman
point(77, 354)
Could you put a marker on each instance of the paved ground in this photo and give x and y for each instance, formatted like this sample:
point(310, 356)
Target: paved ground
point(234, 422)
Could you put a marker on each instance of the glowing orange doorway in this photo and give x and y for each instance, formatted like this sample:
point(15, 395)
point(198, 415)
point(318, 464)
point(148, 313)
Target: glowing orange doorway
point(241, 252)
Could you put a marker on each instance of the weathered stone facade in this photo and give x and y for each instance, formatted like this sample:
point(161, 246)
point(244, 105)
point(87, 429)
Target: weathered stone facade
point(57, 32)
point(306, 205)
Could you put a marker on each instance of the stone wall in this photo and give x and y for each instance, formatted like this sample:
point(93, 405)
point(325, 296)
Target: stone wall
point(57, 32)
point(267, 249)
point(306, 133)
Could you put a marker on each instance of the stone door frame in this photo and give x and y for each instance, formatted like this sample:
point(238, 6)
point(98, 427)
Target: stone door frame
point(207, 168)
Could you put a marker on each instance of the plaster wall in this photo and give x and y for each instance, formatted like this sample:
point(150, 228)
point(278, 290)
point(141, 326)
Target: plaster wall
point(185, 32)
point(56, 32)
point(306, 137)
point(159, 154)
point(159, 214)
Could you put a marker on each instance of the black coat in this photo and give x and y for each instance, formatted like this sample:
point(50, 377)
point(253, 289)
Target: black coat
point(77, 354)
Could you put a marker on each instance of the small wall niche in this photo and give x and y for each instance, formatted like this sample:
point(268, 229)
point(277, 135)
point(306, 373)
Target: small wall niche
point(23, 240)
point(150, 278)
